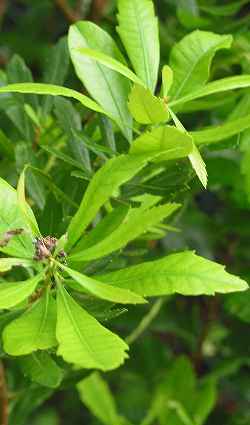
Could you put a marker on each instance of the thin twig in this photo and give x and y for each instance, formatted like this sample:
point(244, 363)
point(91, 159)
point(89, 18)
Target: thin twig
point(70, 14)
point(3, 397)
point(146, 321)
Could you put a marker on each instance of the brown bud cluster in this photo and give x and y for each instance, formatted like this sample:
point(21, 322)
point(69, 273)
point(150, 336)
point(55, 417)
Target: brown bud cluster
point(45, 247)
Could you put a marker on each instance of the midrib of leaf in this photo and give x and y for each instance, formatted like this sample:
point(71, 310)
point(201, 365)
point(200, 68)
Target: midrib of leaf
point(84, 342)
point(43, 321)
point(112, 95)
point(135, 10)
point(191, 70)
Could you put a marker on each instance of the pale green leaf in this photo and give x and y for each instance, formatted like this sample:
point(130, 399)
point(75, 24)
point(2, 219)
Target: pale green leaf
point(110, 63)
point(147, 108)
point(11, 218)
point(184, 273)
point(103, 291)
point(12, 293)
point(53, 90)
point(83, 340)
point(171, 142)
point(218, 86)
point(106, 86)
point(96, 395)
point(198, 165)
point(41, 368)
point(137, 222)
point(33, 330)
point(167, 79)
point(138, 29)
point(26, 210)
point(6, 264)
point(221, 132)
point(190, 60)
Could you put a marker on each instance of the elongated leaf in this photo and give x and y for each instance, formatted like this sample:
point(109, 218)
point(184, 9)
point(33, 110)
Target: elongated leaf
point(198, 165)
point(224, 10)
point(190, 60)
point(167, 79)
point(82, 340)
point(96, 395)
point(103, 185)
point(11, 219)
point(184, 273)
point(138, 29)
point(12, 293)
point(110, 63)
point(218, 86)
point(33, 330)
point(103, 229)
point(41, 368)
point(106, 86)
point(6, 264)
point(137, 222)
point(221, 132)
point(147, 108)
point(100, 290)
point(26, 210)
point(53, 90)
point(172, 142)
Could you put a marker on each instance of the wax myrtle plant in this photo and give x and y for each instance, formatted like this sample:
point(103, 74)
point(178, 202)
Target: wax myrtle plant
point(56, 288)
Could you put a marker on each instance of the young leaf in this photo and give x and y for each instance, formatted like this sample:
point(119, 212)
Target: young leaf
point(26, 210)
point(96, 395)
point(168, 141)
point(41, 368)
point(137, 222)
point(12, 220)
point(184, 273)
point(191, 65)
point(6, 264)
point(33, 330)
point(101, 290)
point(198, 165)
point(147, 108)
point(83, 340)
point(106, 86)
point(218, 86)
point(53, 90)
point(167, 79)
point(138, 29)
point(110, 63)
point(12, 293)
point(103, 185)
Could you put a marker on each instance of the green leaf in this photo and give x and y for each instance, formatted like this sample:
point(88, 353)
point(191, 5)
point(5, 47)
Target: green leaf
point(168, 141)
point(41, 368)
point(101, 290)
point(137, 222)
point(191, 65)
point(26, 210)
point(218, 86)
point(147, 108)
point(184, 273)
point(11, 219)
point(138, 29)
point(33, 330)
point(221, 132)
point(53, 90)
point(110, 63)
point(57, 65)
point(198, 165)
point(83, 340)
point(224, 10)
point(96, 395)
point(12, 293)
point(103, 185)
point(103, 229)
point(106, 86)
point(6, 264)
point(167, 79)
